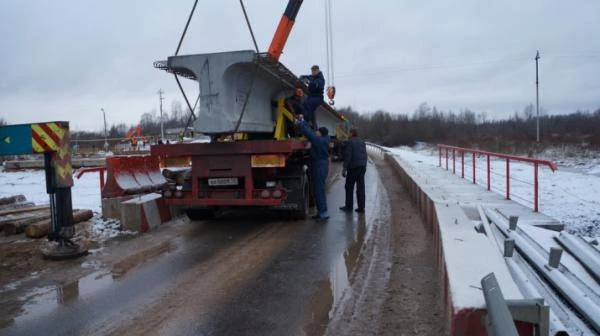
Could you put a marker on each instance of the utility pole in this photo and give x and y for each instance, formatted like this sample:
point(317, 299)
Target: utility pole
point(537, 97)
point(162, 130)
point(105, 134)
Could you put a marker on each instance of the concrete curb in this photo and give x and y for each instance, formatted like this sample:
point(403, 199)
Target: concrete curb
point(443, 219)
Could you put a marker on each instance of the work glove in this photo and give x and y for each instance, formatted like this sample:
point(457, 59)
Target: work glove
point(344, 172)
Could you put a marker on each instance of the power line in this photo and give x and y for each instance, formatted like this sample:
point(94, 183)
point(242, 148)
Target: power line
point(393, 69)
point(434, 66)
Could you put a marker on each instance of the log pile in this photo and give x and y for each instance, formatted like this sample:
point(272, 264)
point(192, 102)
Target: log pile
point(17, 215)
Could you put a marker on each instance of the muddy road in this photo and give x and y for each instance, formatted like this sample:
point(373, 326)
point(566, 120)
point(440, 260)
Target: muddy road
point(252, 274)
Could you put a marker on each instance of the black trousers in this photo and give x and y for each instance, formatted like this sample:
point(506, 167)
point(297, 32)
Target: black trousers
point(355, 176)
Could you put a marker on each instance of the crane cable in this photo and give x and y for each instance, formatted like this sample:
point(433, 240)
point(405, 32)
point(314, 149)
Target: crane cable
point(192, 115)
point(329, 51)
point(254, 75)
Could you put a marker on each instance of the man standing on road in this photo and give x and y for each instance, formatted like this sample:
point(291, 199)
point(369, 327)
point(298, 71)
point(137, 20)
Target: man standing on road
point(355, 167)
point(319, 157)
point(316, 86)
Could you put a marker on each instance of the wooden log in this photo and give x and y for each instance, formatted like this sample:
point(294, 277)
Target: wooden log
point(13, 206)
point(27, 209)
point(42, 228)
point(8, 219)
point(17, 226)
point(12, 199)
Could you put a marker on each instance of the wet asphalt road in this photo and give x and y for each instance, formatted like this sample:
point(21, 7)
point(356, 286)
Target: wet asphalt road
point(249, 275)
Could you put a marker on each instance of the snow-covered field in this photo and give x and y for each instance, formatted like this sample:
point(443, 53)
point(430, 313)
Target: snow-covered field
point(32, 184)
point(569, 194)
point(85, 195)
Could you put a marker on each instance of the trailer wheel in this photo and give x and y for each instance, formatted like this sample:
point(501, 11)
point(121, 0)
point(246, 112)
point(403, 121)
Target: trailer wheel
point(302, 211)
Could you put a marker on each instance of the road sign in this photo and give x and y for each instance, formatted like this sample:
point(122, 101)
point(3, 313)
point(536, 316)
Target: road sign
point(15, 139)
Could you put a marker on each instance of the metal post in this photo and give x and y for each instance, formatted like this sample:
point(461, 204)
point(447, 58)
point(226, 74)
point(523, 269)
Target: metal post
point(101, 179)
point(440, 155)
point(535, 187)
point(474, 177)
point(554, 257)
point(453, 161)
point(488, 172)
point(462, 156)
point(446, 158)
point(509, 247)
point(537, 97)
point(513, 221)
point(105, 135)
point(162, 130)
point(507, 178)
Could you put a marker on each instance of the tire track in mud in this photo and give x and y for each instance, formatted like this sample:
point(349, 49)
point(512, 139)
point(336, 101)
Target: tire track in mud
point(395, 289)
point(198, 290)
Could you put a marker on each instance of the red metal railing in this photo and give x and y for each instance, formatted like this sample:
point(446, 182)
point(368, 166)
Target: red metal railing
point(79, 173)
point(461, 151)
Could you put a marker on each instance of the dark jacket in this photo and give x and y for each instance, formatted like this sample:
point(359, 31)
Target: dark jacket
point(355, 154)
point(296, 105)
point(316, 85)
point(319, 149)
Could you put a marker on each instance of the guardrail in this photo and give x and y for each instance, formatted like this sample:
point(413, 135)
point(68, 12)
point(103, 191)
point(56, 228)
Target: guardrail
point(81, 171)
point(499, 320)
point(582, 298)
point(459, 151)
point(380, 150)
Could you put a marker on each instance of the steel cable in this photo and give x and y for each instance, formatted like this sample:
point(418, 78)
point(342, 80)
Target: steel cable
point(255, 73)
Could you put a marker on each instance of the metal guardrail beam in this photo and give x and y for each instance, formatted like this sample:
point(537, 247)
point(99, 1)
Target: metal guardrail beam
point(499, 321)
point(574, 295)
point(587, 255)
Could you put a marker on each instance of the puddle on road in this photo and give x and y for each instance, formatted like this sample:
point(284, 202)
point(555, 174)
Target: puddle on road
point(344, 265)
point(332, 291)
point(43, 300)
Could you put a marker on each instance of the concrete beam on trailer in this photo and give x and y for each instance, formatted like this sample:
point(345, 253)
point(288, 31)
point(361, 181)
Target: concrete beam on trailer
point(236, 81)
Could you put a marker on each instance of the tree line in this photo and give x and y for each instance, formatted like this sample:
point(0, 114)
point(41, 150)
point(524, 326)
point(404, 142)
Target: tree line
point(150, 123)
point(465, 128)
point(468, 128)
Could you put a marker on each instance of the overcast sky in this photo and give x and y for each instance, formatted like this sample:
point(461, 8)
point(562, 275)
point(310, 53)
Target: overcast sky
point(64, 60)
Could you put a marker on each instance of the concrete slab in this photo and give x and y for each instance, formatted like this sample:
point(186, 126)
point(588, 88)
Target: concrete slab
point(111, 207)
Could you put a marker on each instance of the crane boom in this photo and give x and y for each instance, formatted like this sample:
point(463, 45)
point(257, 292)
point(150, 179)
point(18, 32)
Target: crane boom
point(284, 28)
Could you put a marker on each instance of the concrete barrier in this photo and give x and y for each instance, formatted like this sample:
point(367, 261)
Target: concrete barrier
point(144, 213)
point(464, 256)
point(111, 207)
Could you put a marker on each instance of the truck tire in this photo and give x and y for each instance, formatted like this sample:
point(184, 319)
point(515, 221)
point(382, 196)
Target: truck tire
point(302, 211)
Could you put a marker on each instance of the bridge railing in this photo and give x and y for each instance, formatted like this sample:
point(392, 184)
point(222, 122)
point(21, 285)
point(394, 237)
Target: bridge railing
point(458, 153)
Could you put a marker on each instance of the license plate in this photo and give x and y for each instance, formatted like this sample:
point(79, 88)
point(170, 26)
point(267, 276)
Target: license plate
point(217, 182)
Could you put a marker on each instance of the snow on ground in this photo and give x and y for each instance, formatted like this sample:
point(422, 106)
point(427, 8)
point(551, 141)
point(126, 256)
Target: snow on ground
point(85, 195)
point(569, 194)
point(32, 184)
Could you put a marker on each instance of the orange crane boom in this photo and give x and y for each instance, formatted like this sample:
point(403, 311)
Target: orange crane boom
point(284, 28)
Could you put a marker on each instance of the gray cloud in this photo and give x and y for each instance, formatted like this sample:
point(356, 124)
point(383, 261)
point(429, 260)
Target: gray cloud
point(66, 59)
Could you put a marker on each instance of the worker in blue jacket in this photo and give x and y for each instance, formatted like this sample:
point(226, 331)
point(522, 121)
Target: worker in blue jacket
point(319, 155)
point(316, 86)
